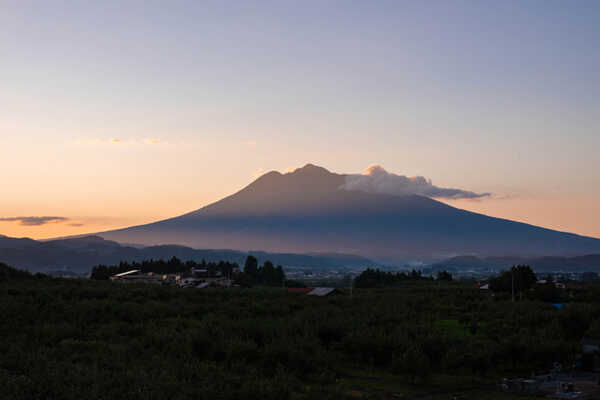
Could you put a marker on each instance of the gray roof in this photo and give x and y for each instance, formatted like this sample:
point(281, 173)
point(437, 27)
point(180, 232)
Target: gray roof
point(133, 271)
point(321, 291)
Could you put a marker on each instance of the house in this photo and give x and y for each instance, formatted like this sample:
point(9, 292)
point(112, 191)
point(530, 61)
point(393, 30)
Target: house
point(135, 276)
point(122, 275)
point(200, 272)
point(171, 278)
point(187, 282)
point(203, 272)
point(324, 291)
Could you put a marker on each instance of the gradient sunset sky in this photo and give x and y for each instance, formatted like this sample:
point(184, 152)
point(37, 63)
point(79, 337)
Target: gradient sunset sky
point(120, 113)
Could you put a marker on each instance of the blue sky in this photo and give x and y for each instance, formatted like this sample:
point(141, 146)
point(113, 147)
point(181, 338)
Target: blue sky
point(109, 105)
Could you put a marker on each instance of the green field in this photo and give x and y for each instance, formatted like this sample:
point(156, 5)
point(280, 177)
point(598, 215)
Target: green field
point(81, 339)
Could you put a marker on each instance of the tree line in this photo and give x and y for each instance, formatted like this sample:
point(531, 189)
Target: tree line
point(375, 278)
point(267, 274)
point(171, 266)
point(252, 274)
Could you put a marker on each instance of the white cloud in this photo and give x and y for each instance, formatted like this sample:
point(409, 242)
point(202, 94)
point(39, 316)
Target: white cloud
point(377, 180)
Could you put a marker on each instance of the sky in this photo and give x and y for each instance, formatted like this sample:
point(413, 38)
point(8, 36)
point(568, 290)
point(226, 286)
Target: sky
point(120, 113)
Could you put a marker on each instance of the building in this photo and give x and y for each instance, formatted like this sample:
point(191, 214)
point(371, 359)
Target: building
point(136, 276)
point(122, 275)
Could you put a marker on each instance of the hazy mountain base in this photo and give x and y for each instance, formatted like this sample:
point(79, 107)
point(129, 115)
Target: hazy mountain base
point(587, 263)
point(81, 254)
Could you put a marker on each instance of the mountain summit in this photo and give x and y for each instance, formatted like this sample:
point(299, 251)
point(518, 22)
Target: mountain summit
point(312, 210)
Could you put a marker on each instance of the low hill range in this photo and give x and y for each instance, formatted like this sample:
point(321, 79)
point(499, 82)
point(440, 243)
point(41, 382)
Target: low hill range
point(76, 256)
point(79, 255)
point(587, 263)
point(312, 210)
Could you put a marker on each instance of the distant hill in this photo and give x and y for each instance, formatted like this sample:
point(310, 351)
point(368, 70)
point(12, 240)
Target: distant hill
point(8, 273)
point(308, 211)
point(587, 263)
point(81, 254)
point(15, 243)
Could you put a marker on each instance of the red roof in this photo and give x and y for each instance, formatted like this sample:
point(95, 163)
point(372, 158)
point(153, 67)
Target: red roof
point(298, 290)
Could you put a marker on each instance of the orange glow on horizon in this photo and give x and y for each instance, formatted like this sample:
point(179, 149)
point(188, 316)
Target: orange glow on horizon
point(578, 216)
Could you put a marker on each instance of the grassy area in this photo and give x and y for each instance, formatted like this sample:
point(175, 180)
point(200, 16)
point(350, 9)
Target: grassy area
point(371, 384)
point(73, 339)
point(452, 328)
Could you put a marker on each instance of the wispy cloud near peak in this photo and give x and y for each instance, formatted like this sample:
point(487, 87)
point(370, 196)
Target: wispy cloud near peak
point(377, 180)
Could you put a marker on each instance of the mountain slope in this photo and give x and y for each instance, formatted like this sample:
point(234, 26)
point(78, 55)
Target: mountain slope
point(12, 243)
point(307, 211)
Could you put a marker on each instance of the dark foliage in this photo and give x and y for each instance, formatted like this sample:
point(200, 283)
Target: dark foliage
point(268, 274)
point(520, 277)
point(8, 273)
point(375, 278)
point(444, 276)
point(82, 339)
point(290, 283)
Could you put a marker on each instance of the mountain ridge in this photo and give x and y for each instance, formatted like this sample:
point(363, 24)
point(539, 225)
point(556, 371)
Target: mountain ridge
point(81, 254)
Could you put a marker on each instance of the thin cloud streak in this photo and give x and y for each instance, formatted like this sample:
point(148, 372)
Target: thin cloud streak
point(120, 142)
point(34, 221)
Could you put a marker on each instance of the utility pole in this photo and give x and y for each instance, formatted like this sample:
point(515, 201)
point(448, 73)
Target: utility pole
point(512, 276)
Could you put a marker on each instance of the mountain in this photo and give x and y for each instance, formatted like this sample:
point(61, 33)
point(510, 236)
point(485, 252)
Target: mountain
point(308, 211)
point(18, 243)
point(79, 255)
